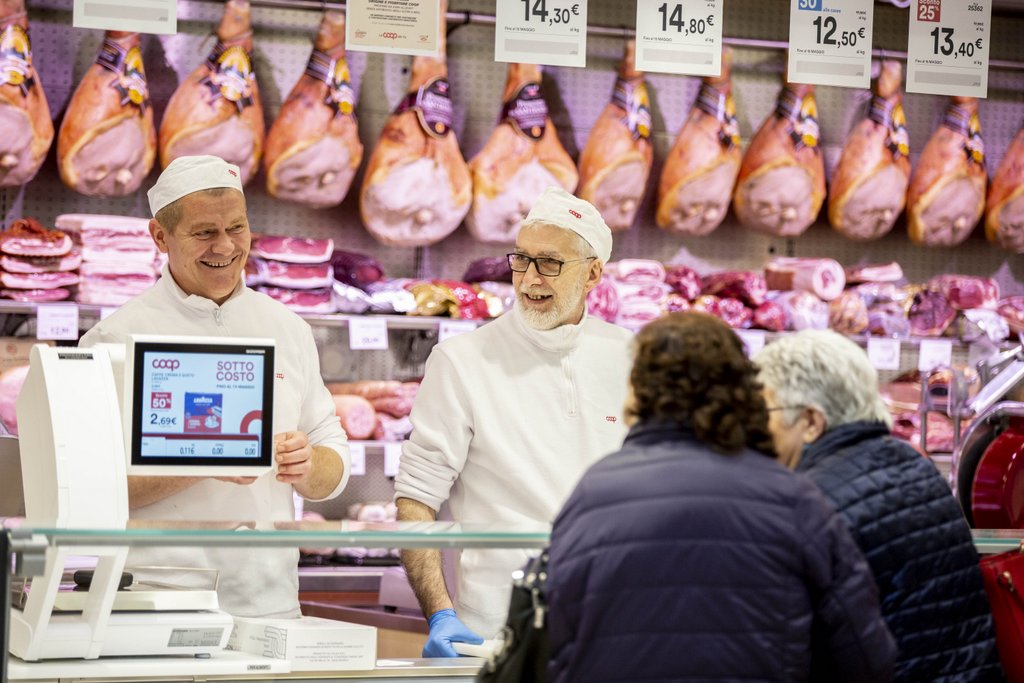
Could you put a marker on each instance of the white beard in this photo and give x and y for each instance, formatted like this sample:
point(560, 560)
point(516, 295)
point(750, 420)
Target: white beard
point(564, 306)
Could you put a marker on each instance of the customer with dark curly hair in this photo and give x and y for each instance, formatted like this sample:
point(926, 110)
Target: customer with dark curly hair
point(690, 554)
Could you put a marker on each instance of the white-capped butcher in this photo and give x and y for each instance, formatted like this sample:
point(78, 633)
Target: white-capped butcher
point(509, 416)
point(200, 222)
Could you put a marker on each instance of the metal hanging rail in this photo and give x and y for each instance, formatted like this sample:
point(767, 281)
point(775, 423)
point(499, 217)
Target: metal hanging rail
point(456, 19)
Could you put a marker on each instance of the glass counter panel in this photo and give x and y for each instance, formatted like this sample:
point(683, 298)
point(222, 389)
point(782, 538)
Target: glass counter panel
point(299, 534)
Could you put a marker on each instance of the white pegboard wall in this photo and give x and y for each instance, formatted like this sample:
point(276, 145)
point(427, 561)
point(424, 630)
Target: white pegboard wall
point(575, 96)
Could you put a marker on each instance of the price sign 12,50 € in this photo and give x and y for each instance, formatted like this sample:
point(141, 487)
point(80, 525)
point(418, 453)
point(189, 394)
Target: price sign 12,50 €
point(830, 42)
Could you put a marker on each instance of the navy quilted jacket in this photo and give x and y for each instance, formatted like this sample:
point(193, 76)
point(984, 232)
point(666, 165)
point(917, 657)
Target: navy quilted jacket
point(671, 562)
point(913, 534)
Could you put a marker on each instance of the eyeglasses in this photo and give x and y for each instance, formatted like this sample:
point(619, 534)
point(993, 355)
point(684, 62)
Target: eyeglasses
point(548, 267)
point(771, 410)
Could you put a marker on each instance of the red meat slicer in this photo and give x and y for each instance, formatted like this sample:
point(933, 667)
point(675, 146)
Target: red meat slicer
point(988, 463)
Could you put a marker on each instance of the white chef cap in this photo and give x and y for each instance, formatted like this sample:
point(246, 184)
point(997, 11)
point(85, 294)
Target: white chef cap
point(557, 207)
point(186, 175)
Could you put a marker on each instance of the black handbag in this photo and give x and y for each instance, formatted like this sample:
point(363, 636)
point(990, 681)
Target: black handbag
point(523, 654)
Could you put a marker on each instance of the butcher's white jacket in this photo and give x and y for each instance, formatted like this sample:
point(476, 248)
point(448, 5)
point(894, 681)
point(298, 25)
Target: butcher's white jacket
point(506, 421)
point(252, 581)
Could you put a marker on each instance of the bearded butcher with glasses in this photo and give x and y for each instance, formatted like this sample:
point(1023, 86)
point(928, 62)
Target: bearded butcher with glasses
point(509, 416)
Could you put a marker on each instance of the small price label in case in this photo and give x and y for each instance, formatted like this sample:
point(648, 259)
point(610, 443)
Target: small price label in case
point(934, 353)
point(884, 354)
point(367, 334)
point(392, 456)
point(357, 454)
point(453, 328)
point(679, 37)
point(830, 42)
point(541, 32)
point(57, 321)
point(947, 47)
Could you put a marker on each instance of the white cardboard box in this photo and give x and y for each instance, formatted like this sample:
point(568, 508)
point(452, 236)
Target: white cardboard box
point(308, 643)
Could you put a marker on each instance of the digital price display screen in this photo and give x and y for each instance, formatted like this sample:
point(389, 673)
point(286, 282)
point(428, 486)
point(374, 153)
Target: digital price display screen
point(202, 404)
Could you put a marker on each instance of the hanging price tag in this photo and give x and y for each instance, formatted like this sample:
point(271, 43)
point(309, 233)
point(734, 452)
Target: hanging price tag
point(753, 340)
point(57, 321)
point(884, 354)
point(934, 353)
point(392, 455)
point(680, 37)
point(142, 16)
point(541, 32)
point(357, 451)
point(453, 328)
point(830, 42)
point(947, 49)
point(406, 27)
point(367, 334)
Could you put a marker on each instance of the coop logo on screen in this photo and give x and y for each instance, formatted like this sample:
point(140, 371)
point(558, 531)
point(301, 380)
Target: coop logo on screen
point(166, 364)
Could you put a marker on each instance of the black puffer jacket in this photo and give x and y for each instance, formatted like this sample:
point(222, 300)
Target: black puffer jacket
point(919, 546)
point(670, 562)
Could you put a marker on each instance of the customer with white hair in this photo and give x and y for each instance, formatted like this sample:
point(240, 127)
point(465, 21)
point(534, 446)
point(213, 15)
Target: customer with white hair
point(510, 415)
point(829, 423)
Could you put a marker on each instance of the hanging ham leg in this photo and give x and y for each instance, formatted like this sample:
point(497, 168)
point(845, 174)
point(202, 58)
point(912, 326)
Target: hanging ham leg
point(27, 130)
point(313, 148)
point(781, 183)
point(217, 110)
point(947, 189)
point(617, 158)
point(417, 188)
point(521, 158)
point(869, 188)
point(700, 171)
point(1004, 218)
point(107, 142)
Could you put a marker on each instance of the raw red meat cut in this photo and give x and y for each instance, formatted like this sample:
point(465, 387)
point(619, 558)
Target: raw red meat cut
point(302, 300)
point(490, 269)
point(743, 285)
point(298, 275)
point(27, 237)
point(770, 316)
point(930, 313)
point(603, 301)
point(35, 296)
point(38, 280)
point(294, 249)
point(966, 291)
point(684, 280)
point(41, 264)
point(636, 271)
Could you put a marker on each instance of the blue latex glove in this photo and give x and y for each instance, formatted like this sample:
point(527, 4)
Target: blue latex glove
point(445, 629)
